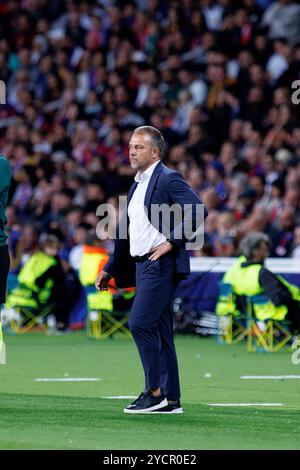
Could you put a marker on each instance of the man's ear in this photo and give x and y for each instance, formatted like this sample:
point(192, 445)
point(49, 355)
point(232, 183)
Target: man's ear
point(155, 153)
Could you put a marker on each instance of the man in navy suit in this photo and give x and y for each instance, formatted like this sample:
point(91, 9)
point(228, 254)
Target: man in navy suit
point(158, 260)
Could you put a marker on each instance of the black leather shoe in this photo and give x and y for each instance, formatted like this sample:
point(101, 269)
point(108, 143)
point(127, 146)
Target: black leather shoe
point(146, 403)
point(171, 408)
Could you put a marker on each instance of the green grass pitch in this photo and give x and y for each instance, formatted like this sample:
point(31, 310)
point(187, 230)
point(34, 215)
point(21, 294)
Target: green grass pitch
point(74, 415)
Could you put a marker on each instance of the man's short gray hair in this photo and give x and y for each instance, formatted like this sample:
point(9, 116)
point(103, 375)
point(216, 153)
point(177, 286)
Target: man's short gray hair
point(251, 242)
point(157, 139)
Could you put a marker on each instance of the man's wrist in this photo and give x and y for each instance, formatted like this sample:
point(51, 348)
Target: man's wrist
point(169, 240)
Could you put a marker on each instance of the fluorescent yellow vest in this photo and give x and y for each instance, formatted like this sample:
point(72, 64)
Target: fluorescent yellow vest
point(226, 304)
point(245, 282)
point(28, 294)
point(90, 267)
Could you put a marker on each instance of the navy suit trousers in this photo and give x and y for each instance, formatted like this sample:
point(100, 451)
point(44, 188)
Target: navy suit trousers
point(151, 324)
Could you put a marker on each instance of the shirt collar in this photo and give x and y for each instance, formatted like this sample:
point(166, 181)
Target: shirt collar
point(145, 175)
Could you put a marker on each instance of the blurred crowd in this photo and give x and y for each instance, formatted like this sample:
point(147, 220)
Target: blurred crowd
point(216, 77)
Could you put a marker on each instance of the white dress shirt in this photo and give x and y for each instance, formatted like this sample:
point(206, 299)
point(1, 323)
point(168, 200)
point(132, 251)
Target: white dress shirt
point(142, 235)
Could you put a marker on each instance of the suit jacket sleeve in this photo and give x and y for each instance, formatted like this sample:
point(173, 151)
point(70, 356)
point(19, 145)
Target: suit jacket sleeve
point(121, 265)
point(109, 267)
point(194, 211)
point(120, 252)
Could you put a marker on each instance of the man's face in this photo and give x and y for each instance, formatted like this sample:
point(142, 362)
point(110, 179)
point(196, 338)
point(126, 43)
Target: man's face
point(51, 248)
point(141, 152)
point(262, 251)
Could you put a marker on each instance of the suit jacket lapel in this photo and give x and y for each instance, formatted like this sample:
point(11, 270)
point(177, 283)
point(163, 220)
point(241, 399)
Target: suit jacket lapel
point(151, 185)
point(131, 191)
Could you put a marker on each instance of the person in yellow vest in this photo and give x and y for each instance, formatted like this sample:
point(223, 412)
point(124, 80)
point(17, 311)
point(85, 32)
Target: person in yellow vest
point(40, 281)
point(94, 258)
point(272, 296)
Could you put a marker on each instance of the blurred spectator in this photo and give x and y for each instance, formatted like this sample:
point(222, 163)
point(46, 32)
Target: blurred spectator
point(23, 246)
point(296, 245)
point(76, 252)
point(40, 282)
point(248, 277)
point(71, 292)
point(283, 20)
point(93, 260)
point(215, 76)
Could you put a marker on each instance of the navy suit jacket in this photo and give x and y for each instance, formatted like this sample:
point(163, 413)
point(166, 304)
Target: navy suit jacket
point(165, 187)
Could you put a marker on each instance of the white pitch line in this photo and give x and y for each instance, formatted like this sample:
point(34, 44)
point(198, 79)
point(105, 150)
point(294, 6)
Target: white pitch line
point(69, 379)
point(270, 377)
point(245, 404)
point(121, 397)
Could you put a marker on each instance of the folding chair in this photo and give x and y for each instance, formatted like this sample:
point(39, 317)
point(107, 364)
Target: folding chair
point(104, 322)
point(232, 327)
point(28, 319)
point(21, 312)
point(269, 335)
